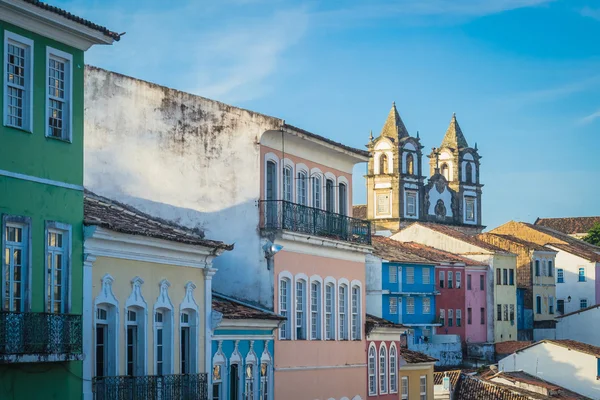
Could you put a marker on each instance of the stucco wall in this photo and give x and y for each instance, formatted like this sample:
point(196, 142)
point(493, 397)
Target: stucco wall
point(505, 294)
point(476, 332)
point(556, 364)
point(448, 354)
point(374, 285)
point(123, 271)
point(451, 299)
point(583, 327)
point(414, 380)
point(572, 287)
point(183, 158)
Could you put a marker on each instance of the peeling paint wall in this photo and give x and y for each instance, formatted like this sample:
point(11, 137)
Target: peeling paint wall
point(184, 158)
point(448, 354)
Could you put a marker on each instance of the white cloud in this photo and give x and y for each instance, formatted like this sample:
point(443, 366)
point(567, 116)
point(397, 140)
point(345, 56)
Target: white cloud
point(590, 118)
point(590, 12)
point(554, 93)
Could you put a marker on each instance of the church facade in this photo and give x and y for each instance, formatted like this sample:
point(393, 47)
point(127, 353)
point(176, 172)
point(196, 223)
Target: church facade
point(397, 192)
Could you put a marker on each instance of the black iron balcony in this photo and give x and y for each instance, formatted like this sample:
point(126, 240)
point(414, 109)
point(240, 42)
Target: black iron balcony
point(150, 387)
point(45, 336)
point(285, 215)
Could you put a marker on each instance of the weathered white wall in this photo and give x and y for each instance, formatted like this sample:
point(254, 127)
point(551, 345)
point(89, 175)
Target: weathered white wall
point(374, 285)
point(556, 364)
point(448, 354)
point(583, 327)
point(541, 334)
point(570, 264)
point(183, 158)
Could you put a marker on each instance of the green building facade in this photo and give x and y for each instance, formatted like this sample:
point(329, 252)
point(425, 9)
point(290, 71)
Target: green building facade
point(41, 199)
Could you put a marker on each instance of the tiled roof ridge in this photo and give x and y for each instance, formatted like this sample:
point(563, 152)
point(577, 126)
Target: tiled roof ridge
point(569, 225)
point(245, 303)
point(578, 311)
point(354, 150)
point(416, 357)
point(64, 13)
point(517, 240)
point(456, 234)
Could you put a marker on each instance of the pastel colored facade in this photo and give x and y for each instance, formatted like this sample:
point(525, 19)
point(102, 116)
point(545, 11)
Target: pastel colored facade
point(475, 304)
point(501, 295)
point(536, 275)
point(148, 289)
point(567, 363)
point(242, 350)
point(416, 375)
point(397, 194)
point(582, 325)
point(451, 301)
point(577, 264)
point(289, 188)
point(41, 167)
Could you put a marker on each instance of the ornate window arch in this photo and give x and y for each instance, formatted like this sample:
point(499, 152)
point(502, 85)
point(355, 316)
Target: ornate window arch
point(163, 331)
point(301, 293)
point(342, 308)
point(383, 164)
point(219, 375)
point(250, 374)
point(189, 317)
point(106, 328)
point(302, 186)
point(469, 172)
point(266, 374)
point(383, 369)
point(410, 164)
point(393, 367)
point(445, 171)
point(330, 306)
point(372, 369)
point(235, 370)
point(286, 299)
point(356, 310)
point(316, 307)
point(136, 334)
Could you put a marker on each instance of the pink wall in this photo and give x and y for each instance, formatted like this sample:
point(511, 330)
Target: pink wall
point(451, 299)
point(310, 379)
point(476, 299)
point(388, 343)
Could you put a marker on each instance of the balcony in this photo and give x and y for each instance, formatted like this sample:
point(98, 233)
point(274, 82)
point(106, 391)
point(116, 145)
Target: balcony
point(151, 387)
point(284, 215)
point(40, 337)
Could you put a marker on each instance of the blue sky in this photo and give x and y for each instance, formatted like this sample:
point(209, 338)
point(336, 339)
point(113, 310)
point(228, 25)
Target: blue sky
point(523, 77)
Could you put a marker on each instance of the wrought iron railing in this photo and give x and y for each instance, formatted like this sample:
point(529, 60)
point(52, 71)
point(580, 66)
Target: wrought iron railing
point(151, 387)
point(285, 215)
point(31, 333)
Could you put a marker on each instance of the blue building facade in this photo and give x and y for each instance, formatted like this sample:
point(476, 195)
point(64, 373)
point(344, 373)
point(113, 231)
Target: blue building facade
point(408, 296)
point(242, 350)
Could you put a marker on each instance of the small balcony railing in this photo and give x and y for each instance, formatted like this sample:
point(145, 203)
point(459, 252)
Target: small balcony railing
point(285, 215)
point(151, 387)
point(39, 334)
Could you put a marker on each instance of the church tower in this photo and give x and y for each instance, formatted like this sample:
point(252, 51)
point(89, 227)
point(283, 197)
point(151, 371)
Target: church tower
point(455, 165)
point(394, 180)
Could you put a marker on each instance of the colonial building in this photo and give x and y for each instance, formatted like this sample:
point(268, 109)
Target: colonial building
point(416, 375)
point(281, 194)
point(535, 276)
point(147, 317)
point(41, 198)
point(397, 193)
point(500, 284)
point(578, 227)
point(577, 264)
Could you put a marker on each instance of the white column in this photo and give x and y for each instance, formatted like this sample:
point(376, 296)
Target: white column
point(208, 274)
point(88, 321)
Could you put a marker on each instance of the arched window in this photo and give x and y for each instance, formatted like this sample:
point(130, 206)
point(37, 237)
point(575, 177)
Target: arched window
point(136, 321)
point(343, 199)
point(372, 370)
point(410, 164)
point(445, 171)
point(316, 192)
point(287, 183)
point(163, 331)
point(468, 173)
point(284, 308)
point(315, 310)
point(301, 310)
point(266, 373)
point(383, 164)
point(302, 188)
point(106, 325)
point(343, 312)
point(271, 193)
point(330, 311)
point(250, 374)
point(393, 369)
point(356, 313)
point(382, 369)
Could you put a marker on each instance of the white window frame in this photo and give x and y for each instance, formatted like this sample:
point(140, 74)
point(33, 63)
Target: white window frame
point(342, 309)
point(300, 308)
point(383, 368)
point(393, 368)
point(316, 188)
point(442, 316)
point(470, 208)
point(190, 306)
point(330, 320)
point(136, 345)
point(27, 45)
point(458, 279)
point(442, 278)
point(380, 213)
point(373, 378)
point(137, 303)
point(450, 317)
point(410, 275)
point(265, 383)
point(423, 387)
point(356, 310)
point(450, 284)
point(426, 276)
point(302, 195)
point(411, 195)
point(286, 327)
point(393, 305)
point(581, 305)
point(316, 308)
point(458, 318)
point(410, 305)
point(107, 301)
point(426, 305)
point(65, 230)
point(68, 100)
point(23, 223)
point(393, 274)
point(251, 381)
point(287, 179)
point(219, 361)
point(345, 200)
point(163, 304)
point(404, 388)
point(560, 275)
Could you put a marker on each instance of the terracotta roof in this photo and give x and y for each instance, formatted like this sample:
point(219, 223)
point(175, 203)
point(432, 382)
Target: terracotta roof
point(394, 127)
point(473, 388)
point(448, 231)
point(511, 347)
point(63, 13)
point(414, 357)
point(579, 311)
point(454, 137)
point(359, 211)
point(373, 322)
point(554, 391)
point(568, 243)
point(356, 151)
point(514, 239)
point(411, 252)
point(454, 376)
point(119, 217)
point(569, 225)
point(235, 309)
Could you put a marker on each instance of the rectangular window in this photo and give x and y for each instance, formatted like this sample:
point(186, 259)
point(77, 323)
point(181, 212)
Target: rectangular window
point(469, 316)
point(58, 238)
point(159, 348)
point(538, 304)
point(329, 312)
point(499, 309)
point(301, 188)
point(410, 305)
point(550, 268)
point(511, 277)
point(450, 279)
point(315, 309)
point(560, 306)
point(423, 387)
point(512, 312)
point(284, 328)
point(498, 276)
point(18, 81)
point(411, 203)
point(287, 184)
point(393, 305)
point(469, 208)
point(405, 388)
point(184, 349)
point(537, 267)
point(426, 305)
point(58, 100)
point(355, 313)
point(442, 317)
point(458, 317)
point(316, 192)
point(583, 303)
point(426, 276)
point(342, 312)
point(264, 382)
point(450, 317)
point(481, 282)
point(505, 276)
point(458, 280)
point(383, 204)
point(551, 305)
point(131, 343)
point(101, 349)
point(343, 199)
point(300, 304)
point(506, 312)
point(15, 274)
point(482, 316)
point(393, 272)
point(468, 281)
point(410, 275)
point(442, 279)
point(582, 274)
point(560, 275)
point(249, 382)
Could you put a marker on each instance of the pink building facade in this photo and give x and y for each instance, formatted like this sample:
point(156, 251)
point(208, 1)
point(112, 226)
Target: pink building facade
point(475, 304)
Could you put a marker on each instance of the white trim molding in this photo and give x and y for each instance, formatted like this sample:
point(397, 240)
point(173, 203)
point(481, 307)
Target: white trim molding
point(43, 181)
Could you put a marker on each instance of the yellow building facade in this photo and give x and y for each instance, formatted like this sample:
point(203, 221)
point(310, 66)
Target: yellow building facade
point(416, 375)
